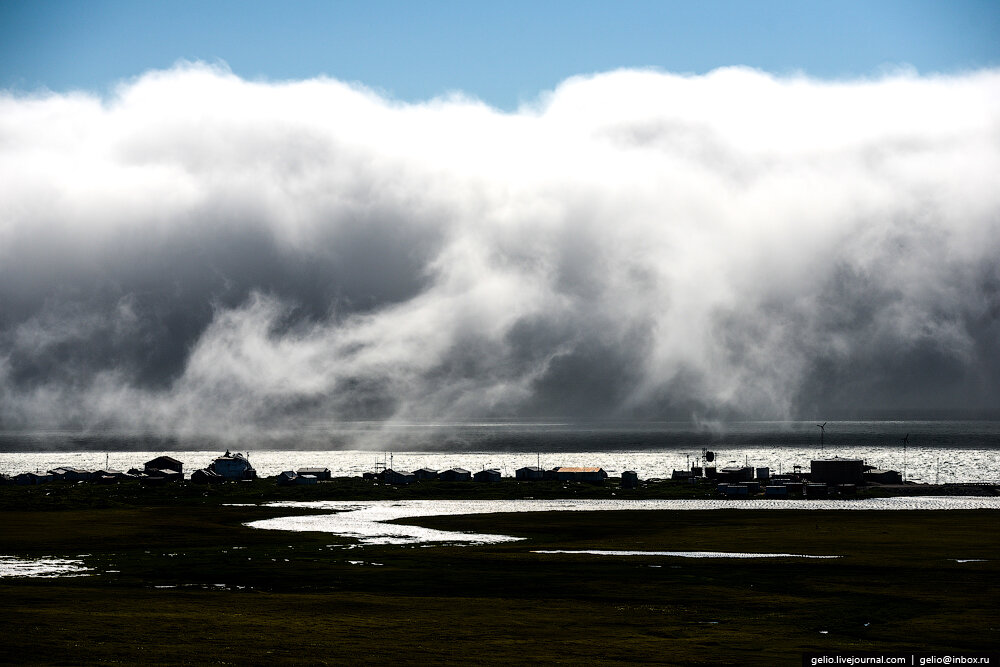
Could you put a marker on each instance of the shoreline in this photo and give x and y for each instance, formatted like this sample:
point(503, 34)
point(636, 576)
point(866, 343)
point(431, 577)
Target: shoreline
point(70, 495)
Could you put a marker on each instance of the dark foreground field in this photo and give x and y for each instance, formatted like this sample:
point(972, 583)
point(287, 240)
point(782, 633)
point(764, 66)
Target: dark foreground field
point(185, 582)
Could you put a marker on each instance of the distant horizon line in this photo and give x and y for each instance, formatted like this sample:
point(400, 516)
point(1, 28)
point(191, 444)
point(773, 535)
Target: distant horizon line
point(699, 423)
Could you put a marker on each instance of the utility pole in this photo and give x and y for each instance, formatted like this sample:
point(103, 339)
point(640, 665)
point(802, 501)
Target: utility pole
point(906, 441)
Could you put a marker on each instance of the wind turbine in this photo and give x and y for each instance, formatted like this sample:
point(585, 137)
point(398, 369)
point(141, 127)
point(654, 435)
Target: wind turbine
point(822, 432)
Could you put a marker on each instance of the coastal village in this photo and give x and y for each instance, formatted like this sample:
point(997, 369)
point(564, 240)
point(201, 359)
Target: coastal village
point(825, 478)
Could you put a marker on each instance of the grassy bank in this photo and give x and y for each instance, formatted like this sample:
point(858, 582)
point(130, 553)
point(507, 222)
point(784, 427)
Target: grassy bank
point(176, 578)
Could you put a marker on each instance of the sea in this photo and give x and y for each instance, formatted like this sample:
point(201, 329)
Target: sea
point(933, 451)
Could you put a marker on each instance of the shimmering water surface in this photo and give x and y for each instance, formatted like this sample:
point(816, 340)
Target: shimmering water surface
point(367, 521)
point(12, 566)
point(938, 451)
point(675, 554)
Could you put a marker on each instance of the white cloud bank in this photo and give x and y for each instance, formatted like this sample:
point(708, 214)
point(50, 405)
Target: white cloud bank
point(205, 254)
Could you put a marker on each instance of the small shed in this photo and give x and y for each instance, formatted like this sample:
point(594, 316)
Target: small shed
point(32, 478)
point(564, 473)
point(107, 476)
point(206, 476)
point(425, 474)
point(154, 476)
point(283, 478)
point(68, 474)
point(164, 463)
point(455, 475)
point(876, 476)
point(630, 480)
point(529, 473)
point(391, 476)
point(490, 475)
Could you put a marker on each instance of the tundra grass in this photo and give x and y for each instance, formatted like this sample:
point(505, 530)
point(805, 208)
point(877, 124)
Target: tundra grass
point(190, 584)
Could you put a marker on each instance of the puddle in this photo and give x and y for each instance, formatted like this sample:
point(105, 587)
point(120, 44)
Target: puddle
point(12, 566)
point(677, 554)
point(368, 521)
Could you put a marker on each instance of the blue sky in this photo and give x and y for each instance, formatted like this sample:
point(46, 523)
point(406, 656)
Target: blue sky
point(500, 52)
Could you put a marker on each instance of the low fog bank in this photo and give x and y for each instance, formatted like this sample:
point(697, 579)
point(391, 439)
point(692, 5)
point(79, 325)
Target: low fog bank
point(681, 438)
point(203, 256)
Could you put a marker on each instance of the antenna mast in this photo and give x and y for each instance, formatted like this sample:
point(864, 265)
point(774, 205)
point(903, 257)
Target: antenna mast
point(906, 441)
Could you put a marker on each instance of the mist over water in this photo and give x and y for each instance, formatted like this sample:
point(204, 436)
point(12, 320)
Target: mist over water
point(532, 437)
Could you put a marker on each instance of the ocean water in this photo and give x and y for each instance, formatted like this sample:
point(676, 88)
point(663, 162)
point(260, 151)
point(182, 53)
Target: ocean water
point(937, 451)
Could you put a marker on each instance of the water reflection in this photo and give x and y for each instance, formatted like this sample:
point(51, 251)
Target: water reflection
point(677, 554)
point(367, 521)
point(13, 566)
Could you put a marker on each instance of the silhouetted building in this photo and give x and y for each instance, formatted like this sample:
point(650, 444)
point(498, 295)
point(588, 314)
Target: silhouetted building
point(529, 473)
point(837, 471)
point(735, 474)
point(876, 476)
point(151, 476)
point(630, 480)
point(455, 475)
point(283, 478)
point(487, 476)
point(206, 476)
point(816, 490)
point(391, 476)
point(31, 478)
point(566, 474)
point(233, 467)
point(425, 475)
point(107, 476)
point(164, 463)
point(68, 474)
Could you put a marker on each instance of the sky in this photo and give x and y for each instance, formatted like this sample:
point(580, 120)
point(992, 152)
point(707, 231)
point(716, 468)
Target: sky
point(223, 219)
point(504, 53)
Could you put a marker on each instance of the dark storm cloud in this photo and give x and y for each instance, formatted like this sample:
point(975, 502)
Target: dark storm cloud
point(201, 254)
